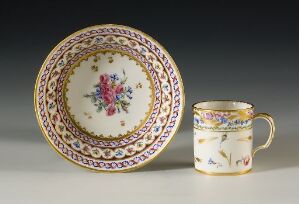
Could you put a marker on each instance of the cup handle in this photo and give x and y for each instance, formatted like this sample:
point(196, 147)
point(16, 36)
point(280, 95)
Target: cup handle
point(270, 120)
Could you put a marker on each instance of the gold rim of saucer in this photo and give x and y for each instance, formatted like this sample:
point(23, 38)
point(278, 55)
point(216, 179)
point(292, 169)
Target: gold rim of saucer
point(223, 110)
point(238, 173)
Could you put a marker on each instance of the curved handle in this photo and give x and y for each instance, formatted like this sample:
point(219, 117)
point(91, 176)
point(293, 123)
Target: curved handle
point(270, 120)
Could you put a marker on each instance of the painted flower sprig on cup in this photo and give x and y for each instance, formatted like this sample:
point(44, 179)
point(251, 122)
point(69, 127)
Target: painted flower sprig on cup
point(111, 94)
point(245, 160)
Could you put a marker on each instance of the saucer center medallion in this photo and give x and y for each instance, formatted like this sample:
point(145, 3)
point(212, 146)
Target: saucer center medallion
point(109, 98)
point(108, 94)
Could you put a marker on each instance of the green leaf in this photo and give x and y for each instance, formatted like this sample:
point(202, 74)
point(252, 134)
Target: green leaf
point(100, 108)
point(93, 99)
point(125, 103)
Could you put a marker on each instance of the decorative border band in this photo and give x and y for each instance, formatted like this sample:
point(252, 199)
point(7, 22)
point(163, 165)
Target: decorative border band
point(216, 130)
point(223, 120)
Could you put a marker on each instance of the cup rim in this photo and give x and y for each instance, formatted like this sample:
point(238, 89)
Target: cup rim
point(223, 110)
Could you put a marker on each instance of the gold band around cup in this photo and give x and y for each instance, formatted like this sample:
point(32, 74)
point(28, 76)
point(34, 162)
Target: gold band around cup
point(224, 174)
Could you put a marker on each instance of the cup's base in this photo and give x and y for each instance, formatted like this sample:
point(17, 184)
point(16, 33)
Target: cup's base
point(224, 174)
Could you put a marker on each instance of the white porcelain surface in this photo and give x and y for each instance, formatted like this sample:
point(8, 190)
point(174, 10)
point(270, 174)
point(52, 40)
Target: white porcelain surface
point(235, 151)
point(84, 79)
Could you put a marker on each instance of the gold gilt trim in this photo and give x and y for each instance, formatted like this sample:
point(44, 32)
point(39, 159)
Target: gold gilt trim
point(101, 136)
point(223, 174)
point(203, 140)
point(222, 110)
point(35, 99)
point(245, 139)
point(197, 159)
point(225, 156)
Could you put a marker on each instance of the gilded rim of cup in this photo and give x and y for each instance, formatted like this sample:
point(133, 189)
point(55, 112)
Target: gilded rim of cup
point(223, 110)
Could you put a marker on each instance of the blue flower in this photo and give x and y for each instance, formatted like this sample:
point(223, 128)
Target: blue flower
point(76, 144)
point(98, 39)
point(130, 90)
point(211, 161)
point(119, 153)
point(142, 50)
point(223, 120)
point(165, 87)
point(118, 97)
point(156, 128)
point(114, 77)
point(61, 63)
point(51, 105)
point(98, 93)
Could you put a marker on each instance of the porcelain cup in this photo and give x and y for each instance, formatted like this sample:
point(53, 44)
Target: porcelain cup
point(223, 136)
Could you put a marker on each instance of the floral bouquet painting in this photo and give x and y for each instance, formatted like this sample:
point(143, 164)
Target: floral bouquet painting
point(111, 94)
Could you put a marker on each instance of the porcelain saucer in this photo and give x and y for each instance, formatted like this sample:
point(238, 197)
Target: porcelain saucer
point(109, 98)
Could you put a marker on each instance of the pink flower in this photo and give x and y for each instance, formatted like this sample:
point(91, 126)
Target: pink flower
point(217, 116)
point(208, 116)
point(119, 89)
point(108, 93)
point(246, 160)
point(104, 78)
point(108, 98)
point(111, 110)
point(105, 88)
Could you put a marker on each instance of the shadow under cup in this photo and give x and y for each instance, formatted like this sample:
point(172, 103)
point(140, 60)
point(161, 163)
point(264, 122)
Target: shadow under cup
point(223, 136)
